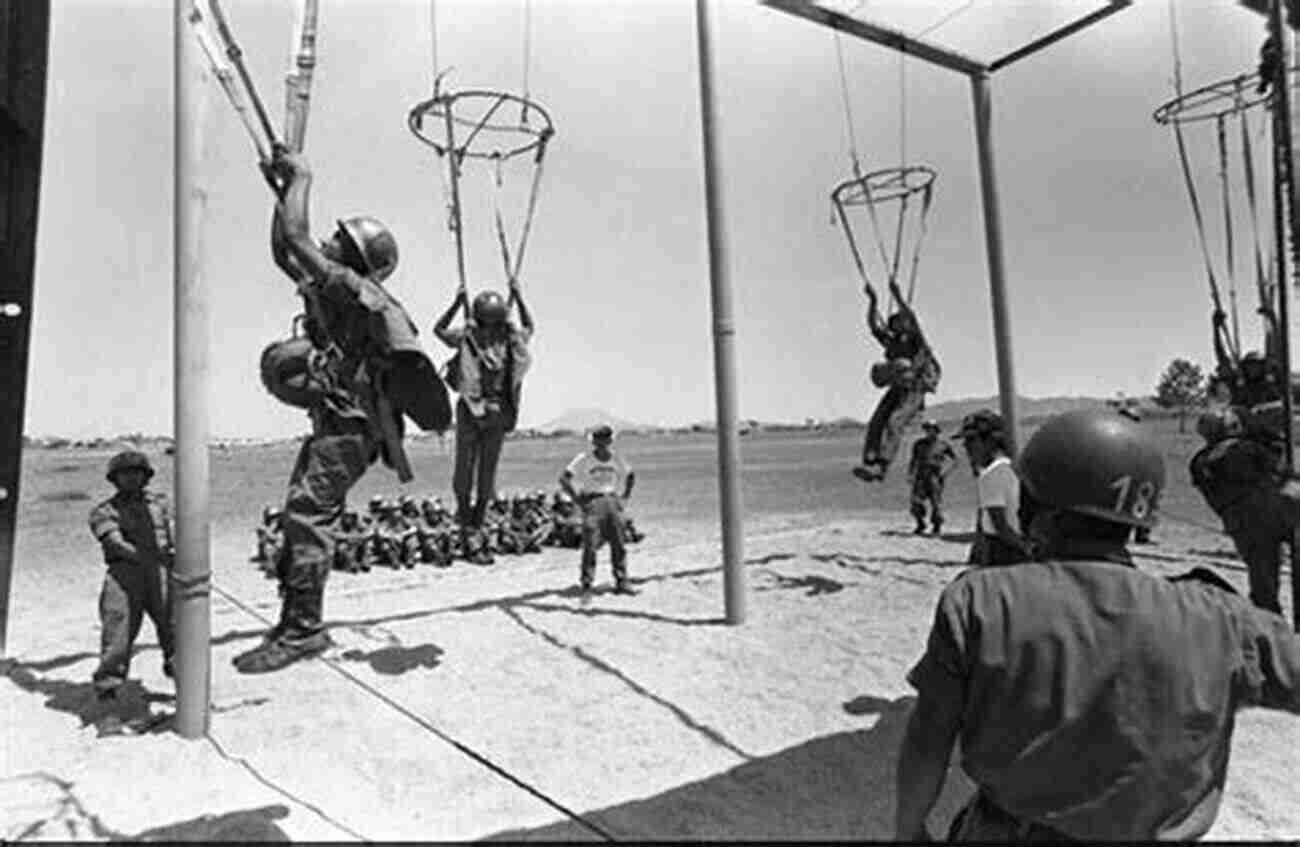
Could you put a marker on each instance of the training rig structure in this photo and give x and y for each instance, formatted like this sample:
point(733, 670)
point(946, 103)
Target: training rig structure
point(980, 74)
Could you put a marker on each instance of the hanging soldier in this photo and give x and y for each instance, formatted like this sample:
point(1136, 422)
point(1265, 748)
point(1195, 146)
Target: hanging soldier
point(909, 372)
point(487, 371)
point(358, 370)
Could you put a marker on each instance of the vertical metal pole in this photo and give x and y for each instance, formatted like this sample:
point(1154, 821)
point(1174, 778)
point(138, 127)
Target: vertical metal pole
point(191, 576)
point(982, 96)
point(24, 42)
point(1284, 175)
point(723, 334)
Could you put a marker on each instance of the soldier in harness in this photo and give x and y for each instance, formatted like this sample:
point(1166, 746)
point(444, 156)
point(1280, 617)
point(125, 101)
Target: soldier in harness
point(910, 371)
point(487, 371)
point(358, 371)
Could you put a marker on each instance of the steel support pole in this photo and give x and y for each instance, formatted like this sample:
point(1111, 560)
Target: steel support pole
point(981, 92)
point(1284, 171)
point(723, 333)
point(191, 576)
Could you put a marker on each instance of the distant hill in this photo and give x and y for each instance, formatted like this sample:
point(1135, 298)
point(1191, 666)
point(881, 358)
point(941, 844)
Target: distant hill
point(581, 420)
point(953, 411)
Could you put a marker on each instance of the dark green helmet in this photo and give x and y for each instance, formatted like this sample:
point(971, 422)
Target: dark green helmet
point(126, 460)
point(1097, 464)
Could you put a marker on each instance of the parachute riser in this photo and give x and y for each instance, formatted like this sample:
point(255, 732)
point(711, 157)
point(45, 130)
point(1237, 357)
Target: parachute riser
point(876, 188)
point(299, 78)
point(536, 140)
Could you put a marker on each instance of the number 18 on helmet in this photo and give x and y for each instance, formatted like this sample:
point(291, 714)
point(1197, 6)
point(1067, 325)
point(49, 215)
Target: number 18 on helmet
point(1096, 464)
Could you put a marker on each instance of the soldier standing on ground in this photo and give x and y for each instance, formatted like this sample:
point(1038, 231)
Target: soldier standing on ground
point(1091, 701)
point(998, 537)
point(134, 529)
point(594, 479)
point(932, 458)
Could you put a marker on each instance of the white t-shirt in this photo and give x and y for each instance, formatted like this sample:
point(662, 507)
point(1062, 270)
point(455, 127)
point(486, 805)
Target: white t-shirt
point(998, 485)
point(592, 476)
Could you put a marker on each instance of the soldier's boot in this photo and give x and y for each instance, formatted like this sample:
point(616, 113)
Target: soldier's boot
point(285, 649)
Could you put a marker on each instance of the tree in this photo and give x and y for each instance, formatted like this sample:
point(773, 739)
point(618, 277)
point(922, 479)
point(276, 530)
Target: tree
point(1181, 387)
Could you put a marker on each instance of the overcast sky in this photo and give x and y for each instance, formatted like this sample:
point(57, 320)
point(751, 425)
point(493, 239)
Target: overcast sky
point(1104, 271)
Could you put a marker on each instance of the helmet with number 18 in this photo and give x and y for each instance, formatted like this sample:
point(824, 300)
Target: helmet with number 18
point(1097, 464)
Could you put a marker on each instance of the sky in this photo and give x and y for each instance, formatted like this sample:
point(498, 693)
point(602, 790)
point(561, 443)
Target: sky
point(1105, 278)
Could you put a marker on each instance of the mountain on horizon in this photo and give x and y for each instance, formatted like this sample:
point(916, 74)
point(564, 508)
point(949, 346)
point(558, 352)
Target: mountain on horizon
point(581, 420)
point(1028, 407)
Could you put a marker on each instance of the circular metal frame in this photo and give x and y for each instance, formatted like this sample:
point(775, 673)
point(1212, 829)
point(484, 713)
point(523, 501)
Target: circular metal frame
point(1225, 97)
point(516, 138)
point(884, 185)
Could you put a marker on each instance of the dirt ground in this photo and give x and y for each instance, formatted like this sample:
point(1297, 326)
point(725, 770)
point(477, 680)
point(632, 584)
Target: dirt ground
point(495, 702)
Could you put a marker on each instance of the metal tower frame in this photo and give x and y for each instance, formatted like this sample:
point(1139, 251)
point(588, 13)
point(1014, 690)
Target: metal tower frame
point(980, 74)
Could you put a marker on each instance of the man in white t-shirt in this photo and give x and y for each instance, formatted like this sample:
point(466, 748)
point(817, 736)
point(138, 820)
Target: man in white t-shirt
point(998, 539)
point(600, 480)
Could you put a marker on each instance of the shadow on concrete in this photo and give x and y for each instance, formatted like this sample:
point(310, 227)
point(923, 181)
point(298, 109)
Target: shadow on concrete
point(397, 659)
point(768, 559)
point(815, 585)
point(41, 806)
point(863, 564)
point(601, 665)
point(248, 825)
point(128, 714)
point(839, 786)
point(632, 614)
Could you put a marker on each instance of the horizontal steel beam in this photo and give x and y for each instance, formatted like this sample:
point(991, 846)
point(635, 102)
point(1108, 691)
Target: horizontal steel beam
point(881, 35)
point(1065, 31)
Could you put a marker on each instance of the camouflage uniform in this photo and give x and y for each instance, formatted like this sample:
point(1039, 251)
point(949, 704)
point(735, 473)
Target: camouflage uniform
point(132, 590)
point(566, 522)
point(349, 543)
point(932, 457)
point(1240, 480)
point(270, 539)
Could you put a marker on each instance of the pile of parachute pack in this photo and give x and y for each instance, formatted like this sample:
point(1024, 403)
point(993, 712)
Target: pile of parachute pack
point(405, 532)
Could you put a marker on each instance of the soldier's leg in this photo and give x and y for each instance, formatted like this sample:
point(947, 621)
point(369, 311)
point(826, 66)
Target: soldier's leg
point(617, 548)
point(876, 426)
point(492, 436)
point(462, 477)
point(157, 597)
point(317, 493)
point(1261, 550)
point(936, 503)
point(590, 540)
point(119, 619)
point(917, 502)
point(907, 406)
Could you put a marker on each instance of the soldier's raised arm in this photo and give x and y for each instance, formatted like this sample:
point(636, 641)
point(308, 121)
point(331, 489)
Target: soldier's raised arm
point(525, 316)
point(442, 328)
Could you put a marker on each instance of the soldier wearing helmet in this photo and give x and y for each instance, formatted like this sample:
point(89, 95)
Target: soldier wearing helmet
point(134, 530)
point(358, 371)
point(932, 459)
point(487, 370)
point(270, 540)
point(999, 536)
point(1242, 479)
point(910, 371)
point(1092, 701)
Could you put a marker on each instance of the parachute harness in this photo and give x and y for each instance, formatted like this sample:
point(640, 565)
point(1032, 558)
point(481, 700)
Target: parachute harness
point(493, 141)
point(1223, 102)
point(230, 70)
point(490, 136)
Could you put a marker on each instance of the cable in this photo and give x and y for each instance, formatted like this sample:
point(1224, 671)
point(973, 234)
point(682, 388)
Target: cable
point(848, 108)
